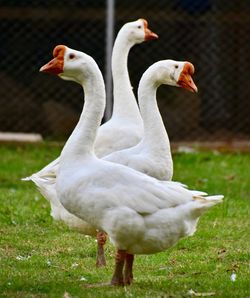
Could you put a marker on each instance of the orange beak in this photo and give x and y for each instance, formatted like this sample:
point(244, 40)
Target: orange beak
point(149, 35)
point(55, 66)
point(185, 78)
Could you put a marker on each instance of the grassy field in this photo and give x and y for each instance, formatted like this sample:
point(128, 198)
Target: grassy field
point(41, 258)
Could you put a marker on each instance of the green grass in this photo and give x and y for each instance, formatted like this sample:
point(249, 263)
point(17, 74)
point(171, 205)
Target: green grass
point(37, 255)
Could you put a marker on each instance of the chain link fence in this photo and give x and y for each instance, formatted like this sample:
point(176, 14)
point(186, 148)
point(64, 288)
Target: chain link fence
point(213, 35)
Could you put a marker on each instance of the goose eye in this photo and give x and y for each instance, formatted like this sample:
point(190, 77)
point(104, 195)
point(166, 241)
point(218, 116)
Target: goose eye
point(72, 56)
point(176, 66)
point(139, 27)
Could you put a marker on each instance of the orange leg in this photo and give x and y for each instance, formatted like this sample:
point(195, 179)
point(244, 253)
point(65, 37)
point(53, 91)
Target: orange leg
point(128, 271)
point(117, 279)
point(101, 240)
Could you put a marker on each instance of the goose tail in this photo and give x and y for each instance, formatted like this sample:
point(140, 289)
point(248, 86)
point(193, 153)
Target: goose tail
point(207, 202)
point(210, 200)
point(26, 179)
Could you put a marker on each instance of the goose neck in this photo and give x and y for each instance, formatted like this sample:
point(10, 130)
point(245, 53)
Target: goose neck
point(120, 57)
point(81, 141)
point(155, 135)
point(125, 104)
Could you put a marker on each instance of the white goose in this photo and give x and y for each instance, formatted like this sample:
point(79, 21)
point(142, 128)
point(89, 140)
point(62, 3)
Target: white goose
point(141, 214)
point(123, 130)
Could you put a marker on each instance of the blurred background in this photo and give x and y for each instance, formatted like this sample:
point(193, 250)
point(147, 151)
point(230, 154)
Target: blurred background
point(212, 34)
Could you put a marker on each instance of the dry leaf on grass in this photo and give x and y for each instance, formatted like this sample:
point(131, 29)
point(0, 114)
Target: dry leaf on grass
point(22, 258)
point(66, 295)
point(196, 294)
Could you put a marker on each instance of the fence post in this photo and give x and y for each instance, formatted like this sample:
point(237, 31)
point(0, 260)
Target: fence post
point(110, 15)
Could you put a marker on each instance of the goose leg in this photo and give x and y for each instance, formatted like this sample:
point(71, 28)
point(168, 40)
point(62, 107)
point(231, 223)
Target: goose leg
point(117, 279)
point(101, 240)
point(128, 271)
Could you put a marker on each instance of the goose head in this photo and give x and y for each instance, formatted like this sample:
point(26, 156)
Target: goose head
point(69, 64)
point(174, 73)
point(137, 32)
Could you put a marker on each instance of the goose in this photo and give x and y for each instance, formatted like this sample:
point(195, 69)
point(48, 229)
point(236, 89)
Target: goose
point(152, 155)
point(123, 130)
point(141, 214)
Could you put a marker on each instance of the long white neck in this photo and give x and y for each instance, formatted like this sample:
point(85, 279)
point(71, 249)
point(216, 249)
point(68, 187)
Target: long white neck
point(81, 142)
point(155, 137)
point(125, 105)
